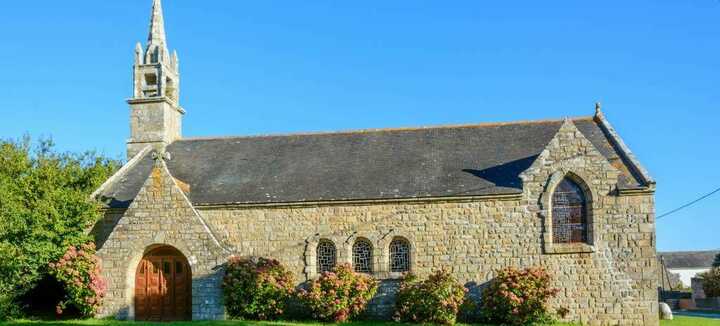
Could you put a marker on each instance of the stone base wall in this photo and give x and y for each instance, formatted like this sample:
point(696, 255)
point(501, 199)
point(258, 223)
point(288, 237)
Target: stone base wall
point(613, 285)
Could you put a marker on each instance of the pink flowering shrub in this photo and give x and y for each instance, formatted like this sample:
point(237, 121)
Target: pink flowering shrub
point(79, 273)
point(340, 295)
point(257, 288)
point(436, 300)
point(518, 297)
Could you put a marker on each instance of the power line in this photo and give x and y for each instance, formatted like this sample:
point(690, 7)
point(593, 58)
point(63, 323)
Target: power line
point(689, 204)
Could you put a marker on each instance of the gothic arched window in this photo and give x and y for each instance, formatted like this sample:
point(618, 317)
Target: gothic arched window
point(362, 256)
point(569, 213)
point(326, 256)
point(399, 255)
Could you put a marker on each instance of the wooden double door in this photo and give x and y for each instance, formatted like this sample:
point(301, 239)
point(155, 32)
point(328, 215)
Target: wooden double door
point(163, 287)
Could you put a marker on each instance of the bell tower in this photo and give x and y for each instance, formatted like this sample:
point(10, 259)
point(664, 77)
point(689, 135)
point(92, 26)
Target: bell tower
point(155, 112)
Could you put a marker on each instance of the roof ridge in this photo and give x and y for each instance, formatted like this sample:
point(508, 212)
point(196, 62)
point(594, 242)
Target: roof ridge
point(396, 129)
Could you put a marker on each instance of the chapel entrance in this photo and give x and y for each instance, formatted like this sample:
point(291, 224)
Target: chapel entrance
point(163, 286)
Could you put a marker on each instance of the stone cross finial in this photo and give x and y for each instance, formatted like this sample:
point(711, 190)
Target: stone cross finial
point(598, 108)
point(159, 156)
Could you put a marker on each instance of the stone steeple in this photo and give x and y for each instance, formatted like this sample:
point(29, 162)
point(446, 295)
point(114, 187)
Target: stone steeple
point(157, 25)
point(155, 112)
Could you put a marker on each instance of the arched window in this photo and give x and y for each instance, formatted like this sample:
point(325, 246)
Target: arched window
point(326, 256)
point(569, 213)
point(362, 256)
point(399, 255)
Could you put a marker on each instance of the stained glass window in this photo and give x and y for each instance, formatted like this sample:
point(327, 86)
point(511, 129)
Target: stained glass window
point(399, 256)
point(326, 256)
point(569, 213)
point(362, 256)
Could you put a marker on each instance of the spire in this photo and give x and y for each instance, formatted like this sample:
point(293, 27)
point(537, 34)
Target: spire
point(155, 115)
point(157, 25)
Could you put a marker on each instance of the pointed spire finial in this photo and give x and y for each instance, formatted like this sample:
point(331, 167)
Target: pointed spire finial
point(157, 25)
point(138, 53)
point(598, 108)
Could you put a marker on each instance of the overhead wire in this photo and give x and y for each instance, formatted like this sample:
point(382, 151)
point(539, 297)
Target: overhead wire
point(689, 204)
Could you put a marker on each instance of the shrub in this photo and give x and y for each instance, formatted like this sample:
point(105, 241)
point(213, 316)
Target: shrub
point(711, 282)
point(8, 308)
point(340, 295)
point(79, 273)
point(257, 288)
point(518, 297)
point(44, 208)
point(436, 300)
point(10, 267)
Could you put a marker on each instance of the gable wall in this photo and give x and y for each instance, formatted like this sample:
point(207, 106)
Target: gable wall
point(159, 215)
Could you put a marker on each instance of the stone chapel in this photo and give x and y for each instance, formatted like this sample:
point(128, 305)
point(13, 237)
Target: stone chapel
point(565, 194)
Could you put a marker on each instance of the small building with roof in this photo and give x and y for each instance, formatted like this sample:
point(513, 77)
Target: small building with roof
point(688, 264)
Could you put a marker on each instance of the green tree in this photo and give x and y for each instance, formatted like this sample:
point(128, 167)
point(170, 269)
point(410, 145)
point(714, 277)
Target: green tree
point(44, 208)
point(716, 263)
point(711, 283)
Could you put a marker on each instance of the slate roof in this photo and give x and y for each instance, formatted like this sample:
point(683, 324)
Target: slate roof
point(689, 259)
point(472, 160)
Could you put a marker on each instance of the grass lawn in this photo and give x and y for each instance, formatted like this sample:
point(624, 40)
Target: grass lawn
point(690, 321)
point(679, 321)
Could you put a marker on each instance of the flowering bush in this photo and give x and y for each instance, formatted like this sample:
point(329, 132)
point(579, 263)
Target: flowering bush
point(79, 273)
point(436, 300)
point(257, 288)
point(518, 297)
point(340, 295)
point(711, 282)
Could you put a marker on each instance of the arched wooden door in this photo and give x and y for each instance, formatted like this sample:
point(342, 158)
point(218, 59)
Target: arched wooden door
point(163, 286)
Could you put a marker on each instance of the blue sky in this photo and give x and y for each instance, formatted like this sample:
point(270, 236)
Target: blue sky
point(260, 67)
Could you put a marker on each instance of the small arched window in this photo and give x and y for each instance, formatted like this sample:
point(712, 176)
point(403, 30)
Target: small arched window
point(326, 256)
point(569, 213)
point(399, 255)
point(362, 256)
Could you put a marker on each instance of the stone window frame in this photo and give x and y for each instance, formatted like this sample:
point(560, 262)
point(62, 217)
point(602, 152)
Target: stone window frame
point(409, 253)
point(384, 257)
point(349, 244)
point(310, 257)
point(372, 263)
point(550, 247)
point(343, 246)
point(331, 245)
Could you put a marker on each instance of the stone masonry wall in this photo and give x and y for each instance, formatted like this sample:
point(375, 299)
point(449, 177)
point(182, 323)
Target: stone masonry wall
point(160, 215)
point(610, 281)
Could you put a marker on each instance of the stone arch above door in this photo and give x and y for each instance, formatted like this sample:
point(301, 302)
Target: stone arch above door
point(163, 286)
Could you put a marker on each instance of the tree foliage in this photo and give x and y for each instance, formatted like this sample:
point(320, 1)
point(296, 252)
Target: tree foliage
point(716, 262)
point(711, 282)
point(44, 209)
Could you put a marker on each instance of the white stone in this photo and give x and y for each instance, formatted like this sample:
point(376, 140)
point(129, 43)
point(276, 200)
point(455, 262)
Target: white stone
point(665, 311)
